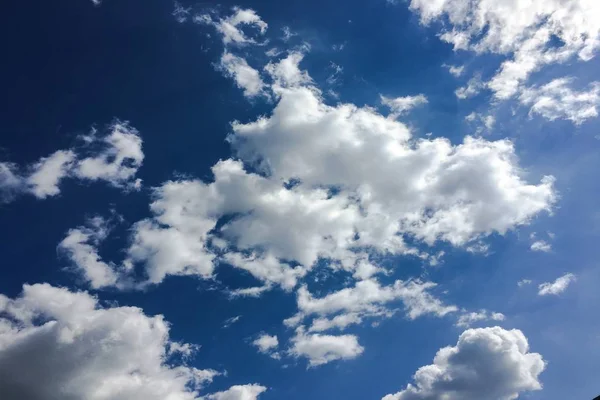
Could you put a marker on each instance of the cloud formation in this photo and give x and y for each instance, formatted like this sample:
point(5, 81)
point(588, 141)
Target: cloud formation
point(113, 158)
point(558, 286)
point(487, 363)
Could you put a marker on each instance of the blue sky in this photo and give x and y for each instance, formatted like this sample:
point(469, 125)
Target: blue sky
point(238, 200)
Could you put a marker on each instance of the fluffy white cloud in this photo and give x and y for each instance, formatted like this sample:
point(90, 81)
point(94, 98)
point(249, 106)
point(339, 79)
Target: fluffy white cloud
point(230, 27)
point(230, 321)
point(322, 349)
point(473, 87)
point(541, 245)
point(490, 26)
point(557, 100)
point(489, 363)
point(80, 245)
point(266, 343)
point(455, 70)
point(401, 105)
point(287, 73)
point(267, 269)
point(48, 172)
point(118, 160)
point(359, 152)
point(238, 392)
point(60, 344)
point(368, 298)
point(469, 318)
point(246, 77)
point(558, 286)
point(114, 158)
point(340, 322)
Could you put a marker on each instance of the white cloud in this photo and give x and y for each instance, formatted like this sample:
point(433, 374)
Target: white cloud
point(541, 245)
point(401, 105)
point(48, 172)
point(369, 298)
point(469, 318)
point(558, 286)
point(80, 245)
point(230, 27)
point(114, 158)
point(455, 70)
point(246, 78)
point(238, 392)
point(455, 193)
point(230, 321)
point(490, 26)
point(557, 100)
point(481, 121)
point(474, 86)
point(488, 363)
point(360, 152)
point(266, 344)
point(118, 161)
point(60, 344)
point(340, 322)
point(322, 349)
point(524, 282)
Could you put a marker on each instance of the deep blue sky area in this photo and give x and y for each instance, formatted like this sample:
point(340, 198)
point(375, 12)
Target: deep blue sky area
point(69, 65)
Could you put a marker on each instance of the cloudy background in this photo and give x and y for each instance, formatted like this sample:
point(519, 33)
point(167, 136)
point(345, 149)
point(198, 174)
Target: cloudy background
point(395, 200)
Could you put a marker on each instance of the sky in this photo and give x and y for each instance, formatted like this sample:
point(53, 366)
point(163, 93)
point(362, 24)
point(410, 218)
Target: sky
point(391, 200)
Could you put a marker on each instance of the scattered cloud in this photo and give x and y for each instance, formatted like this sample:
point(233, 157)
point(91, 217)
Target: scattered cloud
point(113, 158)
point(402, 105)
point(490, 27)
point(80, 245)
point(473, 88)
point(541, 245)
point(558, 286)
point(469, 318)
point(230, 27)
point(267, 344)
point(321, 349)
point(455, 70)
point(487, 363)
point(368, 298)
point(557, 100)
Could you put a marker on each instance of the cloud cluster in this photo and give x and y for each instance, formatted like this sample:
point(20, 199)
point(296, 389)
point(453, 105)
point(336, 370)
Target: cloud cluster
point(114, 158)
point(55, 343)
point(546, 32)
point(312, 184)
point(490, 26)
point(487, 363)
